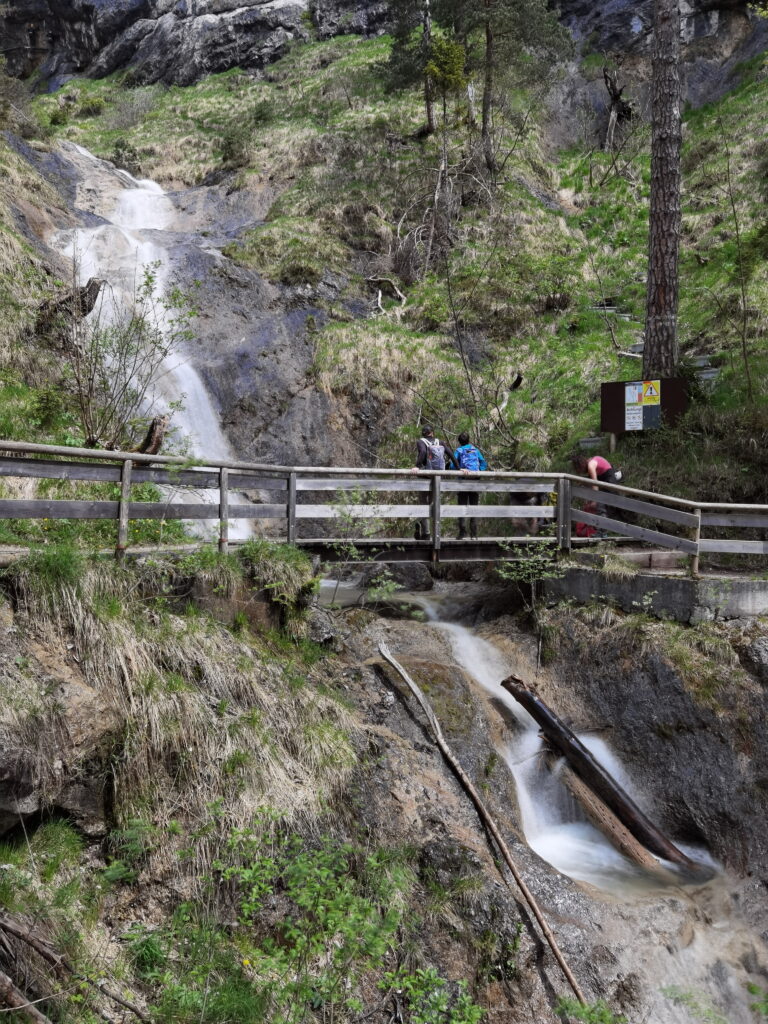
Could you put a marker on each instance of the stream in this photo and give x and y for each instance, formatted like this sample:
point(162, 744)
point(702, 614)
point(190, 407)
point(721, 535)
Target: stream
point(553, 823)
point(690, 947)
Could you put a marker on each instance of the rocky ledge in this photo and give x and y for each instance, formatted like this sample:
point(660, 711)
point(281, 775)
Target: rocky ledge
point(172, 41)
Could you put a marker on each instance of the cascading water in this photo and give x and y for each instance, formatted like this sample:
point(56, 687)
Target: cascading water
point(135, 234)
point(553, 823)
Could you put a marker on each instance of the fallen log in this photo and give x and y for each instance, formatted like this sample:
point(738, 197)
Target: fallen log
point(60, 965)
point(597, 778)
point(13, 999)
point(487, 819)
point(603, 818)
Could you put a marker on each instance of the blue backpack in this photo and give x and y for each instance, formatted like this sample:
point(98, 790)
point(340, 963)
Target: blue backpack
point(470, 458)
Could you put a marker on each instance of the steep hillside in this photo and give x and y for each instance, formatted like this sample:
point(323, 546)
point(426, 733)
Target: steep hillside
point(541, 272)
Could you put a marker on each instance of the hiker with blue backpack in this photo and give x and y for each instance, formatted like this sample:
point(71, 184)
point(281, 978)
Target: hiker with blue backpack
point(469, 459)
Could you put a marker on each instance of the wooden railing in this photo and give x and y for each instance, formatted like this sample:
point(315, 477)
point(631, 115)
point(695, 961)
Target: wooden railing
point(368, 501)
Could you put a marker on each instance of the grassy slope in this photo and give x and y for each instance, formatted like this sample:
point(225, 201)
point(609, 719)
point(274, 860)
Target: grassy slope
point(526, 277)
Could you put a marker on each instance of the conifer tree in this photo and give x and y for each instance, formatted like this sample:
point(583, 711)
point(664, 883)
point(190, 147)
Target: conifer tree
point(520, 34)
point(411, 43)
point(660, 353)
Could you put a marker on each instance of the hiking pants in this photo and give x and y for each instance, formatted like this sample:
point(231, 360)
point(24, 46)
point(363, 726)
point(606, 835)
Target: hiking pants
point(468, 498)
point(609, 477)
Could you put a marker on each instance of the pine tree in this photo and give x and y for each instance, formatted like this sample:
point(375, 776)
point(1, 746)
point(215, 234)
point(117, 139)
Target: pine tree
point(411, 42)
point(660, 354)
point(522, 35)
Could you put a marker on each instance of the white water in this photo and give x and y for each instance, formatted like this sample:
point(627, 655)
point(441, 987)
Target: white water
point(135, 236)
point(553, 823)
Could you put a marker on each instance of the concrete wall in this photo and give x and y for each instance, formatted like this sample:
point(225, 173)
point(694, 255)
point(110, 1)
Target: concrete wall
point(673, 597)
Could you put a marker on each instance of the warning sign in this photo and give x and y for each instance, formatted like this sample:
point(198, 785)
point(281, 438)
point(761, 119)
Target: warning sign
point(651, 392)
point(642, 404)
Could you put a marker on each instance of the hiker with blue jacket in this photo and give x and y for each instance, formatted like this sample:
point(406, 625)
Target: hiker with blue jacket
point(431, 453)
point(469, 459)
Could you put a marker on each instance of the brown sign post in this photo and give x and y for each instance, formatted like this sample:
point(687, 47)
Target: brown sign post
point(641, 404)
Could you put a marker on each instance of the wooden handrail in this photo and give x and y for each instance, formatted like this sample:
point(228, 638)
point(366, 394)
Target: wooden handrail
point(231, 477)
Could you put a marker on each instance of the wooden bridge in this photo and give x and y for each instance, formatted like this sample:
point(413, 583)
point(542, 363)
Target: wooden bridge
point(370, 514)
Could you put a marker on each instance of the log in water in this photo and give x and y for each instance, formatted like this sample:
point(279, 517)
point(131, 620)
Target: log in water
point(597, 778)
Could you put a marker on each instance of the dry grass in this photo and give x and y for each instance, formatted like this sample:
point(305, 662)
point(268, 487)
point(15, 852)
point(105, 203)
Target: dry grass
point(205, 718)
point(377, 356)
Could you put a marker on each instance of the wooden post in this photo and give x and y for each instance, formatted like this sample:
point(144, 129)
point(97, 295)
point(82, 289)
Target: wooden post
point(435, 500)
point(697, 538)
point(564, 514)
point(611, 442)
point(123, 510)
point(291, 508)
point(223, 510)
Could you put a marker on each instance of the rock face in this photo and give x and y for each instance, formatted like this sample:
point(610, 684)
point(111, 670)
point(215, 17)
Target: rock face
point(178, 41)
point(626, 25)
point(173, 41)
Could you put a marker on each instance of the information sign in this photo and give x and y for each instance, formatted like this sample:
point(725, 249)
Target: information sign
point(640, 396)
point(641, 404)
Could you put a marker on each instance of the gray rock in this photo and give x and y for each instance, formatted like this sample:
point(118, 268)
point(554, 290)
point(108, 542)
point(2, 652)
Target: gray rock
point(179, 41)
point(754, 658)
point(407, 575)
point(174, 41)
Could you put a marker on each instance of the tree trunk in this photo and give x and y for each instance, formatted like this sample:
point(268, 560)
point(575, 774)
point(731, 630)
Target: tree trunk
point(429, 92)
point(485, 130)
point(660, 354)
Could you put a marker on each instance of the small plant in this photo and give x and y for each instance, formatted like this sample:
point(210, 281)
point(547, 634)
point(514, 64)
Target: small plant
point(699, 1007)
point(429, 999)
point(382, 587)
point(534, 565)
point(593, 1013)
point(761, 1003)
point(115, 358)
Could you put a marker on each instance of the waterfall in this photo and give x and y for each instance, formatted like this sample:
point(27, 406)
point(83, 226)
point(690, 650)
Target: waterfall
point(134, 233)
point(553, 823)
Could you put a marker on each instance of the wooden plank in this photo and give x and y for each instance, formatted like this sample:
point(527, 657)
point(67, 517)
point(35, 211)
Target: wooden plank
point(223, 510)
point(122, 512)
point(670, 515)
point(499, 511)
point(46, 469)
point(43, 508)
point(406, 542)
point(202, 479)
point(202, 510)
point(256, 511)
point(734, 519)
point(473, 484)
point(664, 540)
point(563, 517)
point(435, 513)
point(737, 547)
point(362, 484)
point(416, 483)
point(363, 511)
point(290, 509)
